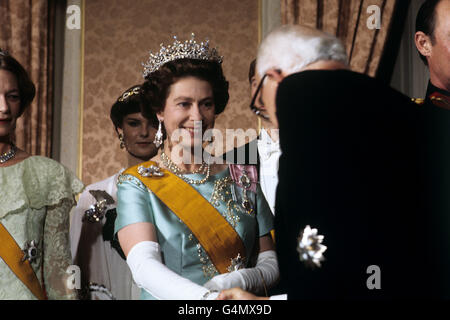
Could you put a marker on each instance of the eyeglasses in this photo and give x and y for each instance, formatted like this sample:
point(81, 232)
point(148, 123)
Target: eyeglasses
point(254, 108)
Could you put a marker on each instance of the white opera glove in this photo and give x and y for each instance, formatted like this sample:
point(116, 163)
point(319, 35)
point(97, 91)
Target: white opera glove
point(255, 280)
point(226, 281)
point(148, 271)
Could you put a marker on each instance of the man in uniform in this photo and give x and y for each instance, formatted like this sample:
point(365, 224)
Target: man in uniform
point(432, 40)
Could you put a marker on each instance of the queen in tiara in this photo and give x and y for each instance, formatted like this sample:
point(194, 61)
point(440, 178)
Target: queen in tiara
point(105, 274)
point(189, 227)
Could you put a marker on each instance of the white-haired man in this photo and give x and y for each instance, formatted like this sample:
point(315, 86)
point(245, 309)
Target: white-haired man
point(291, 49)
point(349, 213)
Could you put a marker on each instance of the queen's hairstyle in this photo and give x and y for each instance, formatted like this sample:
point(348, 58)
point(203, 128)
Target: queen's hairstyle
point(291, 48)
point(156, 87)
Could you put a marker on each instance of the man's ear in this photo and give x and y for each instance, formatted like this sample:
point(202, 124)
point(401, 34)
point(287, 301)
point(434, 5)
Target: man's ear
point(275, 74)
point(423, 43)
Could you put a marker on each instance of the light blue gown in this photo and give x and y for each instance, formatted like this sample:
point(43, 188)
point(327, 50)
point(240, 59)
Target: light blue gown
point(181, 252)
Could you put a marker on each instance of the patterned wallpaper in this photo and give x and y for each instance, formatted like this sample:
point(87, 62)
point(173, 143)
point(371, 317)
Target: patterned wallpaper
point(118, 35)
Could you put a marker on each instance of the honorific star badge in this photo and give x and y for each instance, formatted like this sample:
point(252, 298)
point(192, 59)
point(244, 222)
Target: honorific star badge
point(310, 247)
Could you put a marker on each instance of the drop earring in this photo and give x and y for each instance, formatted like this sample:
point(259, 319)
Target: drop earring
point(158, 136)
point(122, 142)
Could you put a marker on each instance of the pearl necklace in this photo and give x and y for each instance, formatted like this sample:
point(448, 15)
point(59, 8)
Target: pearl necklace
point(8, 155)
point(177, 171)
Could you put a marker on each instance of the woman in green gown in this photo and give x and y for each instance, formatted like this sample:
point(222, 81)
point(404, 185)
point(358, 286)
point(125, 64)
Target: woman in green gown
point(36, 195)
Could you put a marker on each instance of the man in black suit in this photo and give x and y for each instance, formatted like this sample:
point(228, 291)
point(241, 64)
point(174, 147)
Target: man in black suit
point(349, 210)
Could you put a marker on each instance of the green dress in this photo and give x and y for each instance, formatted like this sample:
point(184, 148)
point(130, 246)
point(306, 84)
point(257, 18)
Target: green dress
point(36, 197)
point(181, 251)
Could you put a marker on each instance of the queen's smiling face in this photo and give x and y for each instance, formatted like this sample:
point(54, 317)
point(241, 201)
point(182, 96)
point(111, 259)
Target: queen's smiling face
point(189, 101)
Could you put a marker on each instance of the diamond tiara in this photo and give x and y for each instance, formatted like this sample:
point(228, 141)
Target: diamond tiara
point(178, 50)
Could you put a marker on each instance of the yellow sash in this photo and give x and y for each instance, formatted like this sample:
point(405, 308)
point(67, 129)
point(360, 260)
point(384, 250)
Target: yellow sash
point(11, 253)
point(219, 239)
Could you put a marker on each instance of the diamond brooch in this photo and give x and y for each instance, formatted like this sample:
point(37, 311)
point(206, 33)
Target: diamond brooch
point(310, 247)
point(30, 251)
point(97, 211)
point(150, 171)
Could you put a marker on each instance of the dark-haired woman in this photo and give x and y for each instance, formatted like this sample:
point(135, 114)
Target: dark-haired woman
point(36, 195)
point(188, 227)
point(104, 272)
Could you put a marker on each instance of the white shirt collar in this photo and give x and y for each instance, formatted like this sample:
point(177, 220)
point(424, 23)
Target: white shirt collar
point(266, 146)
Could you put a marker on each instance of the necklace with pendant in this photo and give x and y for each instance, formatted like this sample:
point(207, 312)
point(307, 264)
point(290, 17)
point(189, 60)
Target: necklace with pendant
point(8, 155)
point(169, 164)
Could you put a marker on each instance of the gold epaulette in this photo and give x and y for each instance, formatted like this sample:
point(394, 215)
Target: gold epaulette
point(418, 101)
